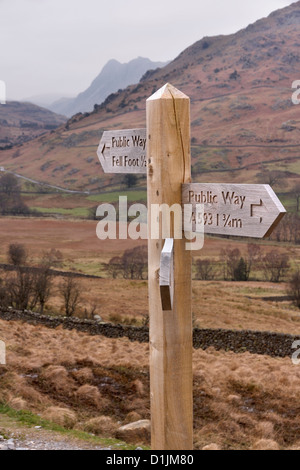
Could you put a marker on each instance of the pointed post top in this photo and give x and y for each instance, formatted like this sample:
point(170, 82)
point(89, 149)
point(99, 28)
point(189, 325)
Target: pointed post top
point(168, 91)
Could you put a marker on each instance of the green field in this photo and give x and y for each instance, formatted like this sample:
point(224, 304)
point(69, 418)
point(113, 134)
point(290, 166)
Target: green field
point(132, 196)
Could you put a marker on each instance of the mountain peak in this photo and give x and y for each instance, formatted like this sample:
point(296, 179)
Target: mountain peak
point(113, 76)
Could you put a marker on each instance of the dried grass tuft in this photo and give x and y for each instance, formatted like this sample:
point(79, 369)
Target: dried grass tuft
point(265, 429)
point(90, 395)
point(103, 426)
point(265, 444)
point(58, 378)
point(84, 375)
point(211, 447)
point(132, 417)
point(138, 388)
point(61, 416)
point(17, 403)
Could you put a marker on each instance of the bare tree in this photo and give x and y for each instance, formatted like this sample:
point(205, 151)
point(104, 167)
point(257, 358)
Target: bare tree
point(42, 287)
point(17, 254)
point(204, 269)
point(71, 293)
point(230, 260)
point(275, 265)
point(9, 184)
point(253, 258)
point(296, 193)
point(11, 201)
point(294, 288)
point(115, 266)
point(20, 289)
point(135, 262)
point(272, 177)
point(289, 231)
point(131, 265)
point(93, 310)
point(4, 298)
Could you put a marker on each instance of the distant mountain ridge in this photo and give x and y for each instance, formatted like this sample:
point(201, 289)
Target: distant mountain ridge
point(114, 76)
point(21, 122)
point(243, 121)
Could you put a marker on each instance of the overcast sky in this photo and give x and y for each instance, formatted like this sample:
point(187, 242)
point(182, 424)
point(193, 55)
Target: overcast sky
point(60, 46)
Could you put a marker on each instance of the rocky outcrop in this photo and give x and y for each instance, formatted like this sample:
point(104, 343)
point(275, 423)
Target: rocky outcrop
point(140, 432)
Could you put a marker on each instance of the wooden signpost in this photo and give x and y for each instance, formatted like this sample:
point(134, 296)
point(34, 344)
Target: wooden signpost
point(123, 151)
point(242, 210)
point(230, 209)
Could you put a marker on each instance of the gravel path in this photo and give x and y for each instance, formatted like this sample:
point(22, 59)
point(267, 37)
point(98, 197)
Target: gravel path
point(38, 439)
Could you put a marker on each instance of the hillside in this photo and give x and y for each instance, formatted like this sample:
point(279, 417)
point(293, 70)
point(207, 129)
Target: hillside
point(21, 122)
point(83, 383)
point(243, 120)
point(113, 76)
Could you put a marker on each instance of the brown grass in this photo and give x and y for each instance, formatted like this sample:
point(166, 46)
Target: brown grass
point(90, 395)
point(101, 426)
point(61, 416)
point(215, 304)
point(241, 401)
point(265, 444)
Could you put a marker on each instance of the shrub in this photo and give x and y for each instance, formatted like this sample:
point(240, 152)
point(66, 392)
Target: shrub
point(241, 271)
point(17, 254)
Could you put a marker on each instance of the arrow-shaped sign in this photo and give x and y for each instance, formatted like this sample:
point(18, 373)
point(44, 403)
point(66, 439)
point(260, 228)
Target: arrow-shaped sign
point(123, 151)
point(244, 210)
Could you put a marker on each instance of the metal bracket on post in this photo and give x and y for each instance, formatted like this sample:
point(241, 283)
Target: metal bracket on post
point(166, 275)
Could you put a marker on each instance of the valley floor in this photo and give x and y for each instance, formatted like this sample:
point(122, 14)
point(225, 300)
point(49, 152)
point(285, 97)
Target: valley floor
point(95, 384)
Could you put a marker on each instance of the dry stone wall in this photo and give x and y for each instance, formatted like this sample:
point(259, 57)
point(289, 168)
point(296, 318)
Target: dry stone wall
point(255, 342)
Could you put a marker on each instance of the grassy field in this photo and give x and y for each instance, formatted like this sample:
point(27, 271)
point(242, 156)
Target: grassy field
point(95, 384)
point(216, 304)
point(77, 206)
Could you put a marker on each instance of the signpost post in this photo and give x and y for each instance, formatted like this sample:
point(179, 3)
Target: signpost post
point(171, 378)
point(163, 152)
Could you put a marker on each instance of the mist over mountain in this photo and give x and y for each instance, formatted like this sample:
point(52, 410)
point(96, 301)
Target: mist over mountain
point(45, 100)
point(114, 76)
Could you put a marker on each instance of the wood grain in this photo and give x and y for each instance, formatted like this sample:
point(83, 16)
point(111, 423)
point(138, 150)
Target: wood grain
point(123, 151)
point(244, 210)
point(169, 165)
